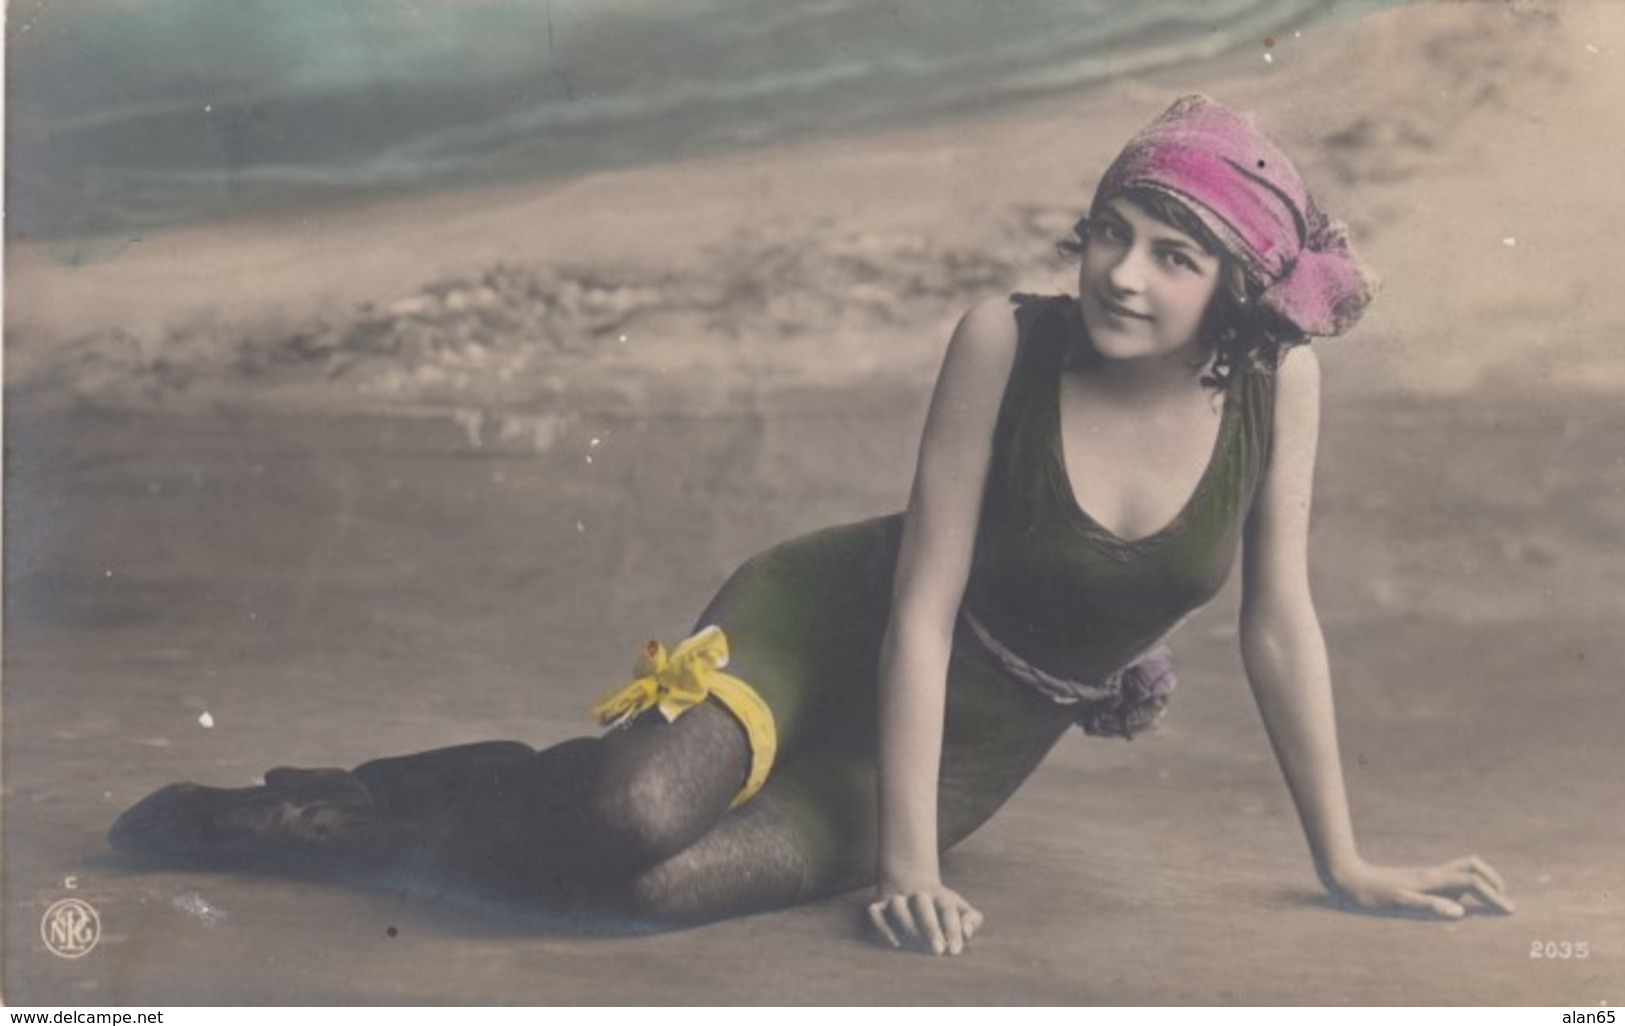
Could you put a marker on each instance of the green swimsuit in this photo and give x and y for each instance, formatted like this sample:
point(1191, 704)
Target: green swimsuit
point(1060, 624)
point(1056, 606)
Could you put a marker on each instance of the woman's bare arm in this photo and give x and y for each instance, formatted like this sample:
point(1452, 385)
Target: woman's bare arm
point(1285, 655)
point(932, 568)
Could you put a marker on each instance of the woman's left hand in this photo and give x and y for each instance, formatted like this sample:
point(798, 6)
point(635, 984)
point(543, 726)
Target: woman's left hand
point(1429, 890)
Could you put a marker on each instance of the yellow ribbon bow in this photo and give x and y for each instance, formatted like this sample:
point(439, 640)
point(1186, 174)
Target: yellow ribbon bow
point(678, 682)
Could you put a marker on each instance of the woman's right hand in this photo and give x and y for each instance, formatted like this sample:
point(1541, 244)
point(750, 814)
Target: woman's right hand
point(911, 907)
point(933, 917)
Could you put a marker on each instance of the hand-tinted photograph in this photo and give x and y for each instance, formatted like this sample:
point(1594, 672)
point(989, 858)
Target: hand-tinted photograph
point(603, 502)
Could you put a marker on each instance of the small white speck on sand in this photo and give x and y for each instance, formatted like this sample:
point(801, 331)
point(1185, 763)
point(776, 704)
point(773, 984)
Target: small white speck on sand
point(1269, 58)
point(1592, 49)
point(1544, 878)
point(1509, 241)
point(206, 721)
point(580, 527)
point(589, 458)
point(195, 905)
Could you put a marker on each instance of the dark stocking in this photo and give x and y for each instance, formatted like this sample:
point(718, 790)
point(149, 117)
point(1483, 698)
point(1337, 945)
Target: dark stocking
point(574, 822)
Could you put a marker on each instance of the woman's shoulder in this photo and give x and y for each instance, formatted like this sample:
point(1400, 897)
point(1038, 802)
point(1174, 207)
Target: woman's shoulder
point(983, 347)
point(997, 329)
point(1291, 421)
point(1279, 402)
point(999, 340)
point(1297, 384)
point(999, 326)
point(1015, 309)
point(1031, 307)
point(992, 320)
point(1290, 380)
point(983, 360)
point(1301, 366)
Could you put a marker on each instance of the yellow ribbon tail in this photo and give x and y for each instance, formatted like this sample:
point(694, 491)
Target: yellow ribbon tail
point(677, 683)
point(761, 733)
point(625, 704)
point(708, 647)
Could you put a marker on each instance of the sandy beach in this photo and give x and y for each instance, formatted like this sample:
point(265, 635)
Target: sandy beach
point(359, 480)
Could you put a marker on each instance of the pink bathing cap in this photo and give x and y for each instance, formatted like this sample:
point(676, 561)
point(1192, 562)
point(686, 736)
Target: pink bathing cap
point(1239, 183)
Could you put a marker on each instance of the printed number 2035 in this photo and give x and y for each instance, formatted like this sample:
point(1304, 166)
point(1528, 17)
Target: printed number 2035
point(1559, 949)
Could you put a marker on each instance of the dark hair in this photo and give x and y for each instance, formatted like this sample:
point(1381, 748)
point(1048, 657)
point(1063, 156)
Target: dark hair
point(1241, 333)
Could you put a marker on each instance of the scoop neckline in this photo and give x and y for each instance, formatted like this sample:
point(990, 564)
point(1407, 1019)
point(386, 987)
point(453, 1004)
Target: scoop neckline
point(1082, 518)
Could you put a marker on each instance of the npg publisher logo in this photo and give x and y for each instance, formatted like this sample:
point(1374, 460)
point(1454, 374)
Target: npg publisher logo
point(70, 928)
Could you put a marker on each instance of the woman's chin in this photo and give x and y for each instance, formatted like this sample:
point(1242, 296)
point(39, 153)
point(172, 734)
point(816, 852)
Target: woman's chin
point(1114, 341)
point(1119, 345)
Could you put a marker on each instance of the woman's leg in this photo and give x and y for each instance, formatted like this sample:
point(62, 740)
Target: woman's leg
point(640, 817)
point(809, 833)
point(571, 824)
point(814, 830)
point(634, 823)
point(565, 823)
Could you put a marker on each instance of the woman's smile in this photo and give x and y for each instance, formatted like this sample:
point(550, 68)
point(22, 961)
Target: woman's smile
point(1119, 310)
point(1144, 286)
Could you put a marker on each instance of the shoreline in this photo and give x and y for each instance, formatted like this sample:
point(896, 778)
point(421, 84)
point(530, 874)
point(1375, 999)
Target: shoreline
point(831, 260)
point(1224, 53)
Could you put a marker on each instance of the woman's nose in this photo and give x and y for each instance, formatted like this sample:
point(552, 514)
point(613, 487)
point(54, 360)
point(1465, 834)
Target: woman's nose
point(1127, 273)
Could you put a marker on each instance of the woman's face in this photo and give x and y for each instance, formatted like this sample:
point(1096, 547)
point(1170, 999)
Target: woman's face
point(1144, 285)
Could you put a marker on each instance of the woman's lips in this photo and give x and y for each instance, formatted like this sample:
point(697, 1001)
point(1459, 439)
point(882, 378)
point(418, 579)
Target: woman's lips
point(1119, 310)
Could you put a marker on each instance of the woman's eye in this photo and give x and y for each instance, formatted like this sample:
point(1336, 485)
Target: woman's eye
point(1174, 258)
point(1111, 232)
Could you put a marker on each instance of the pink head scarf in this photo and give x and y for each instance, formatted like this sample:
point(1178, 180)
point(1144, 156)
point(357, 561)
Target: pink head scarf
point(1246, 191)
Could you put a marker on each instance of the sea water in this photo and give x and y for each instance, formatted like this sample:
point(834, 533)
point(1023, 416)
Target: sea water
point(127, 114)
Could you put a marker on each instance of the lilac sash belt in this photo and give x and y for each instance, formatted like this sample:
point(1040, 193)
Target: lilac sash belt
point(1128, 702)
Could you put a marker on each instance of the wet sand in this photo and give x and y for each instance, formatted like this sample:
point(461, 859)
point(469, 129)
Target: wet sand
point(368, 524)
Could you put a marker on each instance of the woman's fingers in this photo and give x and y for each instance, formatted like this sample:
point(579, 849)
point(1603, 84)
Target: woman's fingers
point(1435, 890)
point(1487, 883)
point(897, 911)
point(1417, 901)
point(877, 919)
point(937, 919)
point(924, 906)
point(1491, 895)
point(1485, 870)
point(972, 921)
point(1469, 875)
point(1473, 875)
point(953, 927)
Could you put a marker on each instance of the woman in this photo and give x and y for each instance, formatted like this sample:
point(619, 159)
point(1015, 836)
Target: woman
point(1171, 400)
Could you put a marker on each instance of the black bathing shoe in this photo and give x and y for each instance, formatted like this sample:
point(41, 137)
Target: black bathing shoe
point(297, 819)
